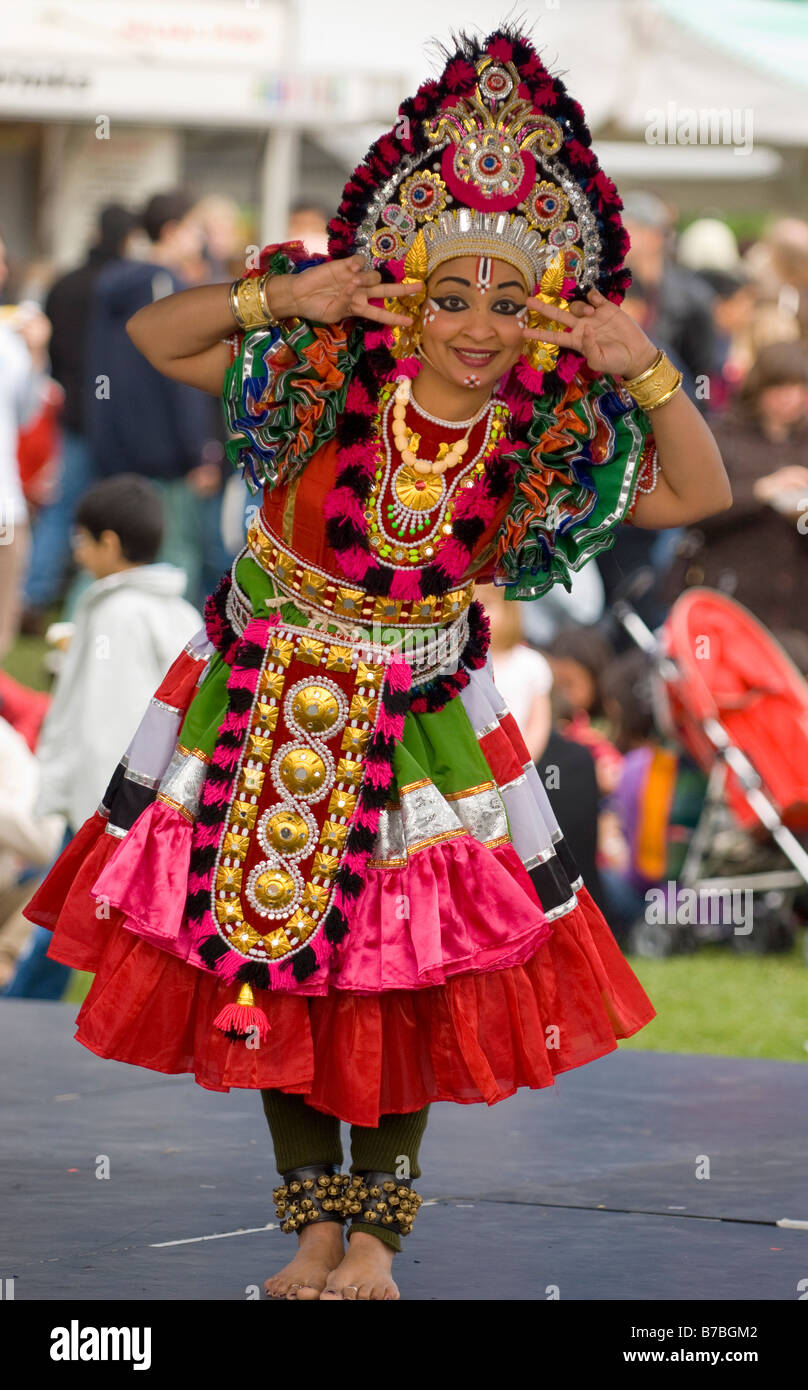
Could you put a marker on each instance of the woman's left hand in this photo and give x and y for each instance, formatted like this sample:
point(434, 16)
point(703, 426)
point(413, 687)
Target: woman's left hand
point(610, 341)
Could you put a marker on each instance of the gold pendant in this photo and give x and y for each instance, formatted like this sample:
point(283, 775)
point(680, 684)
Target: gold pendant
point(419, 492)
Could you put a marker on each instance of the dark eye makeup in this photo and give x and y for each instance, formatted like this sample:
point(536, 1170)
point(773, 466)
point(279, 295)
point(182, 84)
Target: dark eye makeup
point(452, 303)
point(455, 304)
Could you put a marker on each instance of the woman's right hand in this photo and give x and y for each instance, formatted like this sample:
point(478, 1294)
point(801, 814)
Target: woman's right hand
point(336, 290)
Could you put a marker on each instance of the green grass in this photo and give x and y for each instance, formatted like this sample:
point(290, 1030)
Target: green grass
point(24, 663)
point(715, 1001)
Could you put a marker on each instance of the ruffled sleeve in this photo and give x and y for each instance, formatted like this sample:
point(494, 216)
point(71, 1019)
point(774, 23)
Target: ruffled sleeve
point(587, 455)
point(284, 388)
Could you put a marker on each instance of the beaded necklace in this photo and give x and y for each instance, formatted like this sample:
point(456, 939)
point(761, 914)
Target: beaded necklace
point(359, 450)
point(436, 419)
point(408, 529)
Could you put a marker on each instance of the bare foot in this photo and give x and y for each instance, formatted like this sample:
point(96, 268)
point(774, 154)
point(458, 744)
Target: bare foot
point(365, 1271)
point(320, 1250)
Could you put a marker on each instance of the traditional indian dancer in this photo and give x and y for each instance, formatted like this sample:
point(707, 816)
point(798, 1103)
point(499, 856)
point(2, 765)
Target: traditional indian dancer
point(326, 867)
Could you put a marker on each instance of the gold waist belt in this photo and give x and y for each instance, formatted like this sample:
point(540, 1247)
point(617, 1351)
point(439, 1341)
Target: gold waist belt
point(321, 592)
point(428, 651)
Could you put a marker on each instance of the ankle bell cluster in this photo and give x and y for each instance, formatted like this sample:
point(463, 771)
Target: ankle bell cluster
point(306, 1196)
point(315, 1194)
point(382, 1200)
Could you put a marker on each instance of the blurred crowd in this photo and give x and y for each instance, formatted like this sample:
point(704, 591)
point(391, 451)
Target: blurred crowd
point(119, 515)
point(734, 319)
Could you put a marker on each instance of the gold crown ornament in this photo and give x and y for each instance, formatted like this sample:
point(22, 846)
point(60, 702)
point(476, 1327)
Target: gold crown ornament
point(490, 183)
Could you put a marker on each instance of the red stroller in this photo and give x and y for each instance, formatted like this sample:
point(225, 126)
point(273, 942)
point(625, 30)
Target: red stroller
point(729, 695)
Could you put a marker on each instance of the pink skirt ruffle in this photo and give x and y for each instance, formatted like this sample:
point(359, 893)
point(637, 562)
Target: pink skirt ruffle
point(457, 906)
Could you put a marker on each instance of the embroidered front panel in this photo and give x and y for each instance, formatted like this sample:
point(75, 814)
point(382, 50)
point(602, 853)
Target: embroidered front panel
point(295, 792)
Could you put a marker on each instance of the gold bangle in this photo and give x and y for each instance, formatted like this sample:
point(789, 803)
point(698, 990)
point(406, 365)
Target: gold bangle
point(669, 395)
point(233, 299)
point(248, 303)
point(635, 380)
point(655, 386)
point(264, 285)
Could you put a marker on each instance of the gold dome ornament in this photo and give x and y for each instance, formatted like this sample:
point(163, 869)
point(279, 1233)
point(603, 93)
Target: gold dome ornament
point(315, 708)
point(274, 889)
point(286, 832)
point(302, 771)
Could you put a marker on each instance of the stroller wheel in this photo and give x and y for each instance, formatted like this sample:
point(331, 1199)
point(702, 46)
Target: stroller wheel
point(652, 939)
point(773, 927)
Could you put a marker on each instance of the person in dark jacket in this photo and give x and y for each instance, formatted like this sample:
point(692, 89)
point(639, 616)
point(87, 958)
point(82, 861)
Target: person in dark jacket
point(68, 308)
point(757, 551)
point(677, 307)
point(567, 770)
point(143, 422)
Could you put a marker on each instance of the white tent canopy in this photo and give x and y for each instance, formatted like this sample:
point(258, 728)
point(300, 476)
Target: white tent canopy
point(677, 91)
point(735, 70)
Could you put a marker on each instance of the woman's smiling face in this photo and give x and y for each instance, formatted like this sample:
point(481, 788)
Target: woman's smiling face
point(473, 319)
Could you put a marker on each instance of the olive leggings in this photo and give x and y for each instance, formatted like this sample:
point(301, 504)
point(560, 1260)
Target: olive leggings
point(302, 1136)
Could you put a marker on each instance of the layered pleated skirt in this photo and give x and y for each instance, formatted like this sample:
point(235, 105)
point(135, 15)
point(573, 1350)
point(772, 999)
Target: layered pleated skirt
point(475, 960)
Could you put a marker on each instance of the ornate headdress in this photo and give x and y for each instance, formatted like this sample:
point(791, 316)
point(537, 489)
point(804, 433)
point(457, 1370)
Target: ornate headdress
point(491, 159)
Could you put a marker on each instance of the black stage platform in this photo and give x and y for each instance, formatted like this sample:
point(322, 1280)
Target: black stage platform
point(587, 1190)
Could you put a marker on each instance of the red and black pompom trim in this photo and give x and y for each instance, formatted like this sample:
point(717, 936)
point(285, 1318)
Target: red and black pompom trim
point(218, 626)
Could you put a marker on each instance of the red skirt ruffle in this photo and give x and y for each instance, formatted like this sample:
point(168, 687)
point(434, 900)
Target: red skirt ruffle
point(477, 1038)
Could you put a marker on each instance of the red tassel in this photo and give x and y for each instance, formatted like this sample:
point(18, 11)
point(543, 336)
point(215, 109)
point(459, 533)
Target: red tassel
point(242, 1016)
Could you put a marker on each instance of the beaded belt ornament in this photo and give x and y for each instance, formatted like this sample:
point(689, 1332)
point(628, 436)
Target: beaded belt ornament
point(287, 815)
point(324, 595)
point(428, 652)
